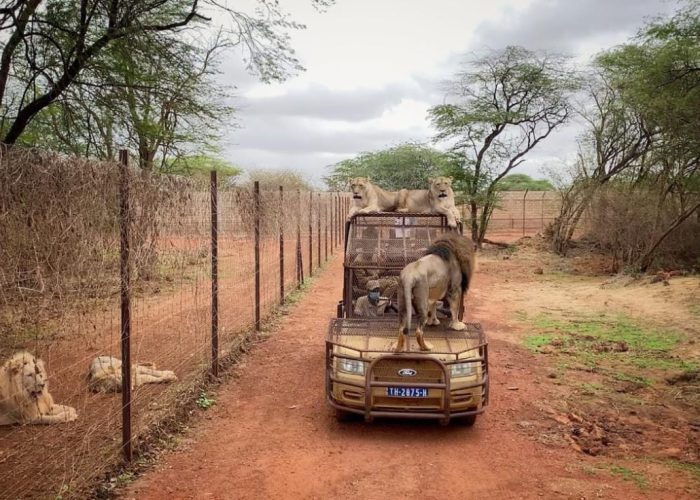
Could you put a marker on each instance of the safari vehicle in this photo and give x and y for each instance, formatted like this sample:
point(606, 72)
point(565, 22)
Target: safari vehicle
point(363, 375)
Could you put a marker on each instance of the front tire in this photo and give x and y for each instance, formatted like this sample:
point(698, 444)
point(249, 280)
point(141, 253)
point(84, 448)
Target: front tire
point(466, 421)
point(343, 416)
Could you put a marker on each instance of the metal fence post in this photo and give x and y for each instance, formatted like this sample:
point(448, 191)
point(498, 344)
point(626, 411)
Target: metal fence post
point(125, 293)
point(214, 196)
point(256, 204)
point(281, 222)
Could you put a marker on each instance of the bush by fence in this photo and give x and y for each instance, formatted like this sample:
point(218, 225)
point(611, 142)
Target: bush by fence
point(60, 294)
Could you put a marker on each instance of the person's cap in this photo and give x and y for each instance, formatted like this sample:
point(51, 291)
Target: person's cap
point(372, 284)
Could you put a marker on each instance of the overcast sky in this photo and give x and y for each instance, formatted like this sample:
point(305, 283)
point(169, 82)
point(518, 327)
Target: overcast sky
point(374, 67)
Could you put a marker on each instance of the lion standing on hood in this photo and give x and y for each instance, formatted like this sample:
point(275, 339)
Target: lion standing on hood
point(445, 270)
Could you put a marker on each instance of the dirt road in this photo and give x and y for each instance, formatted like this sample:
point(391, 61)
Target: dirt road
point(272, 435)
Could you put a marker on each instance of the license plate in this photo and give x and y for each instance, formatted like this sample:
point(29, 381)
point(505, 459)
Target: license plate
point(407, 392)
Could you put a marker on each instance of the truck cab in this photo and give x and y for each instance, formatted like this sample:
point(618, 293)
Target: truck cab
point(364, 376)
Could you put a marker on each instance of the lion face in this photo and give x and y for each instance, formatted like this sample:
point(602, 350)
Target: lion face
point(359, 186)
point(441, 187)
point(32, 373)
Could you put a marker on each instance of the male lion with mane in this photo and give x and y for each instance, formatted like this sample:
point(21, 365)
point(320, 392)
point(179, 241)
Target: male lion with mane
point(444, 271)
point(367, 197)
point(24, 393)
point(439, 198)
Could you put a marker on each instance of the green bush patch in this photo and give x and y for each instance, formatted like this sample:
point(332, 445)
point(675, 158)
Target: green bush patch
point(617, 346)
point(629, 475)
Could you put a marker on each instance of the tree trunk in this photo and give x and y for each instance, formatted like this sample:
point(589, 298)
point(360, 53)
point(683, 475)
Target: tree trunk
point(648, 257)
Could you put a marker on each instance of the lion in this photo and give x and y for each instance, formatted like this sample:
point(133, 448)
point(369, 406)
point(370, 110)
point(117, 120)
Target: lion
point(106, 375)
point(24, 393)
point(367, 197)
point(445, 270)
point(439, 198)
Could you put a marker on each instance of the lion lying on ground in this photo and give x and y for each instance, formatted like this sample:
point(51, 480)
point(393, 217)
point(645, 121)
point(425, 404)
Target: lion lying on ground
point(439, 198)
point(444, 271)
point(367, 197)
point(24, 393)
point(106, 375)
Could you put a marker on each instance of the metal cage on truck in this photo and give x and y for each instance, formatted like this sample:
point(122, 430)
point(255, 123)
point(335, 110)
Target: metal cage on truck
point(379, 245)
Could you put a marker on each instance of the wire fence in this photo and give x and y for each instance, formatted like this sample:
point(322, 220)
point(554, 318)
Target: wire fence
point(159, 272)
point(519, 213)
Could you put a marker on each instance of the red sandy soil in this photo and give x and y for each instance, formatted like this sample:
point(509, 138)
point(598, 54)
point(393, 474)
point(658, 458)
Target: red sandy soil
point(271, 433)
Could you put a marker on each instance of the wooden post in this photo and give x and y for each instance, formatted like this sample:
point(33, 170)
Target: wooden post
point(214, 274)
point(281, 223)
point(300, 257)
point(524, 196)
point(125, 295)
point(256, 204)
point(318, 232)
point(311, 231)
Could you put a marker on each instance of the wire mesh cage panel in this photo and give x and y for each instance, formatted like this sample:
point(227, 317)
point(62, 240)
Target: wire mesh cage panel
point(380, 245)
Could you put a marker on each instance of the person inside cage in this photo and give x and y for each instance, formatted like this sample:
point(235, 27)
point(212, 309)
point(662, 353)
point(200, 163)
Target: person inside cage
point(372, 304)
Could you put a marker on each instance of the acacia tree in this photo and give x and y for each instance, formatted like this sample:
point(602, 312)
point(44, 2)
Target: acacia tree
point(48, 44)
point(616, 139)
point(642, 124)
point(500, 107)
point(407, 166)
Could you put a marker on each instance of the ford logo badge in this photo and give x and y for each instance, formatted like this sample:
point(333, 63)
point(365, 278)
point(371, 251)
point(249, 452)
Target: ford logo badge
point(407, 372)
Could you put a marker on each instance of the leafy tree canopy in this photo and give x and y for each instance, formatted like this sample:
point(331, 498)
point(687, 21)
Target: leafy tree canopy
point(406, 166)
point(201, 165)
point(274, 178)
point(522, 182)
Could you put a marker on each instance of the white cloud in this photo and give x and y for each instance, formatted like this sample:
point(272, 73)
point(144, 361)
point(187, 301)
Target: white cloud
point(374, 67)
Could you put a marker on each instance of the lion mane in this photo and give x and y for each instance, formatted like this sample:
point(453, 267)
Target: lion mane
point(439, 198)
point(24, 393)
point(367, 197)
point(445, 270)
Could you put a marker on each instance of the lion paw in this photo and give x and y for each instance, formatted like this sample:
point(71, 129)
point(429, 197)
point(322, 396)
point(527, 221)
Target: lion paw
point(427, 346)
point(457, 325)
point(433, 321)
point(67, 413)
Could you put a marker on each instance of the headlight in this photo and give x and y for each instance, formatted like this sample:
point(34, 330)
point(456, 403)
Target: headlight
point(463, 369)
point(351, 366)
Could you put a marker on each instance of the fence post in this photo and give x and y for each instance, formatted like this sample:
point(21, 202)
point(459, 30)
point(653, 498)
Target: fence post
point(125, 293)
point(331, 207)
point(214, 196)
point(311, 232)
point(300, 257)
point(327, 212)
point(281, 222)
point(256, 204)
point(318, 232)
point(524, 196)
point(542, 211)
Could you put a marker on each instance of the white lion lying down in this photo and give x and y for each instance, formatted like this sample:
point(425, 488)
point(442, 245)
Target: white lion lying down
point(106, 374)
point(24, 393)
